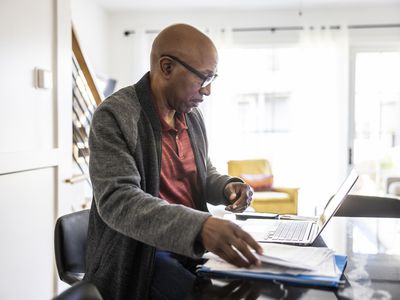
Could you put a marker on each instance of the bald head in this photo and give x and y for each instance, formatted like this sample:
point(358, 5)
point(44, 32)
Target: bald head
point(183, 41)
point(184, 62)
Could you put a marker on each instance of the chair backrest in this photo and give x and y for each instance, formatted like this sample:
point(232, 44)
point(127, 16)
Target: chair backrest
point(249, 166)
point(70, 245)
point(80, 291)
point(393, 186)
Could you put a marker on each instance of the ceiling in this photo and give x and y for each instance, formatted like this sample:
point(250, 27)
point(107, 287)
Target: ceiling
point(124, 5)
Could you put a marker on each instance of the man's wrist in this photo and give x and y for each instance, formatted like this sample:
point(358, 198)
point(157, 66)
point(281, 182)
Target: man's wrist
point(198, 245)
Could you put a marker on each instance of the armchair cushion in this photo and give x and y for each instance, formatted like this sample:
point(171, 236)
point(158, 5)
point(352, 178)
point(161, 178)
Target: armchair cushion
point(259, 182)
point(271, 196)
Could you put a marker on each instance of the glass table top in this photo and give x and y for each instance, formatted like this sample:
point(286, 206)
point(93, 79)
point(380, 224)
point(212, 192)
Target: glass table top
point(372, 272)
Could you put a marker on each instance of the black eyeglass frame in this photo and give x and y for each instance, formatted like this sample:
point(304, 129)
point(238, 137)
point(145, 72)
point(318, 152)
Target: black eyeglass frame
point(207, 79)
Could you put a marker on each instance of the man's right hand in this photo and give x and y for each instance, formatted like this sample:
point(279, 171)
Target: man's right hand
point(220, 236)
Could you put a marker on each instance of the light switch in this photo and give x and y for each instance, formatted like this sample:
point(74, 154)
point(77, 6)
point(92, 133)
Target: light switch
point(44, 79)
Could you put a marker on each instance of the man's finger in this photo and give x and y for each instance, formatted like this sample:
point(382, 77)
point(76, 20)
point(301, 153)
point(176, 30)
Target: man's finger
point(239, 205)
point(233, 257)
point(229, 241)
point(250, 241)
point(243, 248)
point(232, 196)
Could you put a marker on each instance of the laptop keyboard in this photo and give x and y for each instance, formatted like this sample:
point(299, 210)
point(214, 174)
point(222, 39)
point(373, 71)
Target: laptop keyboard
point(288, 231)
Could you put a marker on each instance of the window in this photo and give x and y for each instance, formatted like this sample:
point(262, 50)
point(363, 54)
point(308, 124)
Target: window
point(377, 122)
point(286, 102)
point(263, 113)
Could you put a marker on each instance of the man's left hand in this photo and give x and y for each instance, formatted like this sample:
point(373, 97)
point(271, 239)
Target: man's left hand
point(239, 194)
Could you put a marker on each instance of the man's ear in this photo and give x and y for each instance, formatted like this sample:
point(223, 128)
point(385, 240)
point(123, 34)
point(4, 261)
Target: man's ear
point(166, 66)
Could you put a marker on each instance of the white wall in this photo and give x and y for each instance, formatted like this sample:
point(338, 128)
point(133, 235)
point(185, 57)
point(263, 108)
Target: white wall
point(26, 42)
point(123, 49)
point(35, 142)
point(36, 134)
point(91, 24)
point(27, 210)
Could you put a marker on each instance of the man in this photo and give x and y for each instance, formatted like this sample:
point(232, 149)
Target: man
point(152, 176)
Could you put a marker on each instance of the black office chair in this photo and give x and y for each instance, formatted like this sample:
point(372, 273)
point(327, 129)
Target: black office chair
point(70, 245)
point(80, 291)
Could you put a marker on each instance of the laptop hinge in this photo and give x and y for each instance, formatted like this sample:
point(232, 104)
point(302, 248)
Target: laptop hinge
point(311, 232)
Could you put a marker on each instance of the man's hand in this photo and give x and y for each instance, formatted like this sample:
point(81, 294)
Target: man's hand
point(222, 237)
point(239, 194)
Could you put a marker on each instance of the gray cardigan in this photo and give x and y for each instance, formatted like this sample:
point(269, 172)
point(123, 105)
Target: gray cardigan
point(128, 220)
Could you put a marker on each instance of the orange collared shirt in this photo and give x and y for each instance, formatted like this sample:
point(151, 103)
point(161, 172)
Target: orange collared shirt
point(178, 178)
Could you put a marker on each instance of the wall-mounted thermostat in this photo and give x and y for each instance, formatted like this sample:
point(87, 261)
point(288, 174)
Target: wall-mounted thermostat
point(44, 79)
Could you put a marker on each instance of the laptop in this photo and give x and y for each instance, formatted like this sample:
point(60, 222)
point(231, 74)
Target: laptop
point(299, 231)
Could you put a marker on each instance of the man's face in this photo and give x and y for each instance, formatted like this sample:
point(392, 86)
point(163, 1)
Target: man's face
point(185, 90)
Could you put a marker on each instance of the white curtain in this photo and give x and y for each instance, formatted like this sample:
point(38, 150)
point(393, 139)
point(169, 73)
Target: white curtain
point(312, 155)
point(321, 114)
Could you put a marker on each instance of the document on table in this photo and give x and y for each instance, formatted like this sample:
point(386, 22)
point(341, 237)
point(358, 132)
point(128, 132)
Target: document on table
point(285, 259)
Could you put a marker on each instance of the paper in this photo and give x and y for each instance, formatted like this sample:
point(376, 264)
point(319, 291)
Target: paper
point(285, 259)
point(298, 255)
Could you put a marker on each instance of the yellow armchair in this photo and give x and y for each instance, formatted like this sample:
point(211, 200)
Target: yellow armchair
point(281, 200)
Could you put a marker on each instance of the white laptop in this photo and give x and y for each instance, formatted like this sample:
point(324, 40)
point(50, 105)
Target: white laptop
point(299, 231)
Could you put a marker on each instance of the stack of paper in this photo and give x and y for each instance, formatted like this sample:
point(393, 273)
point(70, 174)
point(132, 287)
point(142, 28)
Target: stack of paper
point(309, 265)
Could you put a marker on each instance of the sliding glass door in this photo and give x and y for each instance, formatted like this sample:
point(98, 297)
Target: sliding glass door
point(376, 118)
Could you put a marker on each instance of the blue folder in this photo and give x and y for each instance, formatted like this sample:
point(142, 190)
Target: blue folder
point(308, 280)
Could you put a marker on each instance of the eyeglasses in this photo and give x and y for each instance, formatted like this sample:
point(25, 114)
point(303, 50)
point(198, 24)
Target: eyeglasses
point(207, 79)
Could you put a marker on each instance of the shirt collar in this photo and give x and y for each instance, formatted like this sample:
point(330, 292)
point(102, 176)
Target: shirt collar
point(180, 120)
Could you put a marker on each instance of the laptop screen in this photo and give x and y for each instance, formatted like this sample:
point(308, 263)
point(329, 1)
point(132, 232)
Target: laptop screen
point(335, 202)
